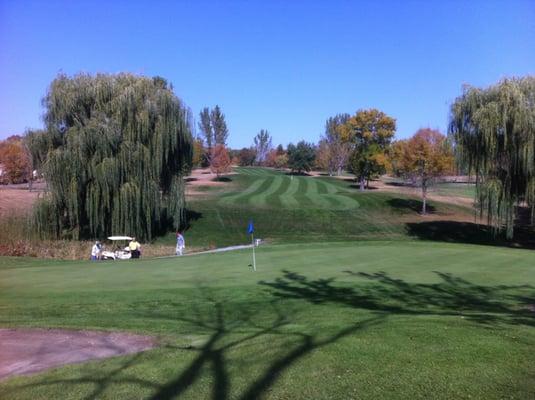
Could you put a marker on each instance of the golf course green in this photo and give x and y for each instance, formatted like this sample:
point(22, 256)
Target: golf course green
point(356, 296)
point(393, 320)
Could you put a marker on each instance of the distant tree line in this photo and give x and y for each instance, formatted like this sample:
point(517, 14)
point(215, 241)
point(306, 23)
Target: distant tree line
point(115, 149)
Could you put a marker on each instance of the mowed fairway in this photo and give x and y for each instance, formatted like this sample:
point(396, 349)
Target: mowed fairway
point(375, 320)
point(270, 188)
point(296, 208)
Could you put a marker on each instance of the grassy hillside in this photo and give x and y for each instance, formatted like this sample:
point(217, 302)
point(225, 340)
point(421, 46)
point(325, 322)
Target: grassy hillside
point(289, 208)
point(375, 320)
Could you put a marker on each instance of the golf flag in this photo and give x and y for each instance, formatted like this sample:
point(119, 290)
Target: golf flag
point(250, 231)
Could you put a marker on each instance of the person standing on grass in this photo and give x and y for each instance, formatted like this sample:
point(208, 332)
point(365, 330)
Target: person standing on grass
point(180, 244)
point(95, 251)
point(135, 248)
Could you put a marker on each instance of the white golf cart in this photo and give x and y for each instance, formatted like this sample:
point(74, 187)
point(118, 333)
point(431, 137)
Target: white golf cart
point(121, 250)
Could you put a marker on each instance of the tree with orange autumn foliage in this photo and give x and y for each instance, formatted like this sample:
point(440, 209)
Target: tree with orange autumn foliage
point(423, 158)
point(14, 160)
point(220, 160)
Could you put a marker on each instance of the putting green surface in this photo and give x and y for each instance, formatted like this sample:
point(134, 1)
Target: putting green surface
point(396, 320)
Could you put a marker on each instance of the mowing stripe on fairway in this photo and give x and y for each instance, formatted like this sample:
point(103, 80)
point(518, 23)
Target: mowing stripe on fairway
point(346, 202)
point(301, 196)
point(251, 189)
point(313, 193)
point(331, 189)
point(251, 171)
point(274, 189)
point(246, 198)
point(334, 202)
point(264, 172)
point(288, 199)
point(274, 198)
point(261, 198)
point(339, 200)
point(322, 187)
point(257, 172)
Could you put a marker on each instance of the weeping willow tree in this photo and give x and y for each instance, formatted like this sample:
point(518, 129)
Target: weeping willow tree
point(113, 152)
point(494, 132)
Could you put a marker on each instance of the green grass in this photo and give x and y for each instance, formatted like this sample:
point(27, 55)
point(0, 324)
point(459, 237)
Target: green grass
point(270, 188)
point(343, 305)
point(368, 320)
point(288, 208)
point(467, 190)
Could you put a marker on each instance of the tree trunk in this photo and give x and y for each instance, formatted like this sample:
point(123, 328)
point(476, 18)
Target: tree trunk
point(362, 183)
point(424, 197)
point(339, 171)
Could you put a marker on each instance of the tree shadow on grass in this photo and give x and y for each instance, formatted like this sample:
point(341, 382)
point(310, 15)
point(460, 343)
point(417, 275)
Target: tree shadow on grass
point(227, 334)
point(101, 381)
point(191, 216)
point(295, 173)
point(470, 233)
point(366, 188)
point(452, 296)
point(226, 327)
point(412, 205)
point(222, 179)
point(400, 184)
point(224, 331)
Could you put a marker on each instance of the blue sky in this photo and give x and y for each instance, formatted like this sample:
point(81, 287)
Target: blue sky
point(284, 66)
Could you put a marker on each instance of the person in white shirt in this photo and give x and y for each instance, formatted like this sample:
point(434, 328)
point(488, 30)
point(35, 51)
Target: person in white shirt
point(180, 244)
point(95, 251)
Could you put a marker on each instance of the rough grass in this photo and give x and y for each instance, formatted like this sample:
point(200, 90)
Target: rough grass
point(16, 239)
point(400, 320)
point(467, 190)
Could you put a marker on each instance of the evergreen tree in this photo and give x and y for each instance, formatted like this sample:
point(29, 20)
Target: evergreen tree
point(301, 157)
point(113, 153)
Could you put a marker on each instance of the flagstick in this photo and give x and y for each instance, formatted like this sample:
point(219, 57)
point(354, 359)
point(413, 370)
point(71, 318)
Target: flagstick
point(254, 258)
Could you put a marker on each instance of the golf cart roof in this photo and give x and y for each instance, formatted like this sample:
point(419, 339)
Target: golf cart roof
point(119, 238)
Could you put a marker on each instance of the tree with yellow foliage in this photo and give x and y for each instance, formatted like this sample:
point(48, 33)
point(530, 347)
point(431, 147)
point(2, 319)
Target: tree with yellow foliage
point(423, 158)
point(370, 133)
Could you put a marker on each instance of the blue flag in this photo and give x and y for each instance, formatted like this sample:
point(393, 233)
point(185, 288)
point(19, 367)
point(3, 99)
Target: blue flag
point(250, 228)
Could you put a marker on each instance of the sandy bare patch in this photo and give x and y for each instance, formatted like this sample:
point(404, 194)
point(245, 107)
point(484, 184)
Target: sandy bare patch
point(27, 351)
point(202, 177)
point(16, 201)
